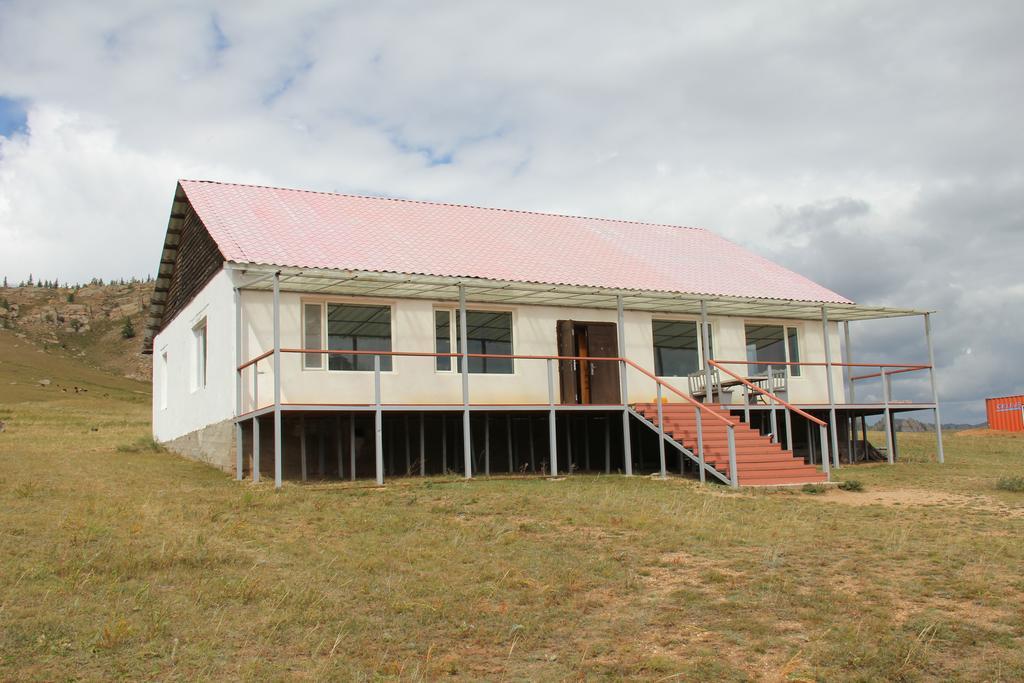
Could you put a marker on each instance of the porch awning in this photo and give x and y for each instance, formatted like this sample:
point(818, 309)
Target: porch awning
point(479, 290)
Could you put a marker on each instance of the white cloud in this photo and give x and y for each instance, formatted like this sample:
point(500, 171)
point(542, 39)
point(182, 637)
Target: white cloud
point(873, 147)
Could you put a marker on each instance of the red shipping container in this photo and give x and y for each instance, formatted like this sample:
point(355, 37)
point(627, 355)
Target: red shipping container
point(1006, 413)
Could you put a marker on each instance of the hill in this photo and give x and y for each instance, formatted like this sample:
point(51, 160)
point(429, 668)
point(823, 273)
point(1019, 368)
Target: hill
point(909, 424)
point(87, 323)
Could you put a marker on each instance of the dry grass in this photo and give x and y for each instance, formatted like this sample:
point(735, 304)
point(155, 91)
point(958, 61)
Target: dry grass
point(131, 563)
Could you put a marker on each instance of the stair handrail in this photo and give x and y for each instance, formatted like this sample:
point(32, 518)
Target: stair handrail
point(674, 390)
point(822, 425)
point(765, 392)
point(698, 407)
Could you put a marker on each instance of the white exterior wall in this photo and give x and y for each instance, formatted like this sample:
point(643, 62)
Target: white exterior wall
point(188, 407)
point(414, 380)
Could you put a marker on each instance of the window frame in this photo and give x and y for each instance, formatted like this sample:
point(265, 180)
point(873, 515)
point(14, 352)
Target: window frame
point(786, 325)
point(701, 357)
point(323, 303)
point(454, 341)
point(200, 354)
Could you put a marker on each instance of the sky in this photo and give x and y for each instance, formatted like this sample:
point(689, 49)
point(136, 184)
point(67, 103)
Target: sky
point(875, 147)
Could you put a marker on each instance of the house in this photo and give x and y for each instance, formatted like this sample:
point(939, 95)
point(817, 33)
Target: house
point(308, 334)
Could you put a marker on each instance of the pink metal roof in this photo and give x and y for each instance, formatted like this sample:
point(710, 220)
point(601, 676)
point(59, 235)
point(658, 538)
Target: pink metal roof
point(303, 229)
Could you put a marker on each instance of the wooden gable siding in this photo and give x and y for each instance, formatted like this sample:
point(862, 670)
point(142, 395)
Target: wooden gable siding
point(196, 262)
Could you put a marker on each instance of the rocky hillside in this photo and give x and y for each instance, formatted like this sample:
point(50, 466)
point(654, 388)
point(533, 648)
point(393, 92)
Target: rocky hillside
point(100, 325)
point(912, 425)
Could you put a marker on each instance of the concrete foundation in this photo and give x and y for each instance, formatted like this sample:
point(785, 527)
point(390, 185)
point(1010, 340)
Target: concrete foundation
point(213, 445)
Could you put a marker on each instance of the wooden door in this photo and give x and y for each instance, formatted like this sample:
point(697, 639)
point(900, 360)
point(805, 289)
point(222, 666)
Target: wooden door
point(584, 381)
point(568, 378)
point(602, 342)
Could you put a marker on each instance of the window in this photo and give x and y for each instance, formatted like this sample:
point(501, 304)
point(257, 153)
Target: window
point(443, 339)
point(488, 332)
point(677, 346)
point(767, 344)
point(352, 327)
point(199, 365)
point(794, 351)
point(313, 335)
point(349, 327)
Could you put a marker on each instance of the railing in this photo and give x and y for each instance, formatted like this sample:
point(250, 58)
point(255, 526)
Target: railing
point(789, 410)
point(885, 373)
point(551, 404)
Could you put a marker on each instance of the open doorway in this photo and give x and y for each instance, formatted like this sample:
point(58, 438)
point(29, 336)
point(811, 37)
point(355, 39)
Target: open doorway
point(586, 382)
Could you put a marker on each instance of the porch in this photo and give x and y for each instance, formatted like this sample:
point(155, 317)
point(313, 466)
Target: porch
point(754, 429)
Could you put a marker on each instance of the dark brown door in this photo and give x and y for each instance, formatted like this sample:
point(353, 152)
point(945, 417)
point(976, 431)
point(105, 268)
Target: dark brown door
point(602, 342)
point(585, 381)
point(568, 378)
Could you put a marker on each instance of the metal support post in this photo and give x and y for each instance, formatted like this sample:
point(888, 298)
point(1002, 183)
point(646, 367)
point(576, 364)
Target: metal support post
point(889, 455)
point(734, 475)
point(823, 435)
point(238, 385)
point(278, 455)
point(705, 334)
point(700, 444)
point(378, 423)
point(627, 444)
point(848, 371)
point(831, 389)
point(467, 435)
point(661, 434)
point(940, 453)
point(552, 429)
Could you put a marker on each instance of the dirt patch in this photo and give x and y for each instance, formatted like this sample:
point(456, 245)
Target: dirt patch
point(910, 497)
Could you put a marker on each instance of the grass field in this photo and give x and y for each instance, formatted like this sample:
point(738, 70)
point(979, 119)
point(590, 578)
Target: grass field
point(118, 561)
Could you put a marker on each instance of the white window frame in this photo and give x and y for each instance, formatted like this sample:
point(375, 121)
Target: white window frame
point(200, 354)
point(453, 340)
point(675, 318)
point(786, 325)
point(323, 302)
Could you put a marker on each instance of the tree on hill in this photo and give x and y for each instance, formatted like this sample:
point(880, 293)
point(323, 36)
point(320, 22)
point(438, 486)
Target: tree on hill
point(127, 329)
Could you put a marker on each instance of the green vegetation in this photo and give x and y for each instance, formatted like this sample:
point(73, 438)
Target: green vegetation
point(851, 485)
point(1015, 484)
point(119, 561)
point(127, 329)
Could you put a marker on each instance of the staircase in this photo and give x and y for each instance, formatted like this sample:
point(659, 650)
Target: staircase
point(759, 461)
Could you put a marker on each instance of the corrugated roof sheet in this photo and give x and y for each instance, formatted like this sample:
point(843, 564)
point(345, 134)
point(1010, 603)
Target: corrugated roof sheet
point(304, 229)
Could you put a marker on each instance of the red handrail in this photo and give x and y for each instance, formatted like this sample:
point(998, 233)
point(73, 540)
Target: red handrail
point(431, 354)
point(253, 361)
point(820, 364)
point(715, 364)
point(671, 388)
point(910, 368)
